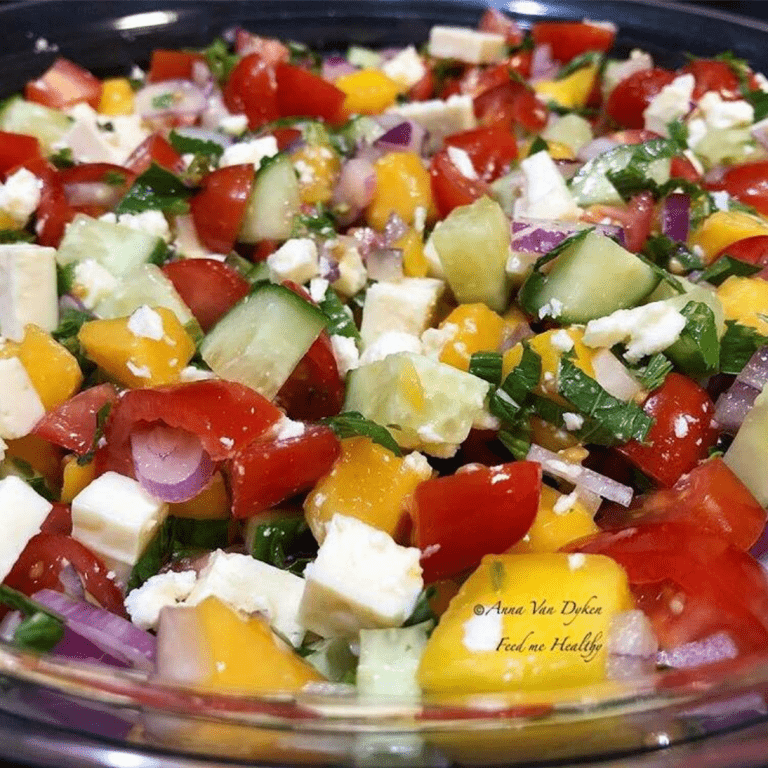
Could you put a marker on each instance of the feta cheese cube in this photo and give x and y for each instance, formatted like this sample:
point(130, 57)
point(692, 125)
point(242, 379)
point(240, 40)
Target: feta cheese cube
point(27, 289)
point(545, 195)
point(439, 118)
point(251, 586)
point(92, 282)
point(233, 124)
point(23, 511)
point(406, 68)
point(722, 114)
point(20, 195)
point(152, 222)
point(20, 405)
point(466, 45)
point(433, 340)
point(295, 259)
point(253, 152)
point(116, 518)
point(345, 352)
point(671, 103)
point(352, 272)
point(164, 589)
point(361, 579)
point(406, 306)
point(390, 343)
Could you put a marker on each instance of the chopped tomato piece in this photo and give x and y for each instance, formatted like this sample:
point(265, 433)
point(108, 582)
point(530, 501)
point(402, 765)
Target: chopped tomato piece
point(265, 473)
point(477, 511)
point(631, 96)
point(636, 219)
point(495, 21)
point(425, 88)
point(218, 209)
point(450, 187)
point(569, 39)
point(682, 168)
point(208, 287)
point(748, 183)
point(53, 213)
point(252, 90)
point(491, 150)
point(16, 149)
point(477, 80)
point(510, 104)
point(714, 76)
point(59, 520)
point(302, 93)
point(155, 149)
point(753, 250)
point(72, 425)
point(286, 136)
point(171, 65)
point(63, 85)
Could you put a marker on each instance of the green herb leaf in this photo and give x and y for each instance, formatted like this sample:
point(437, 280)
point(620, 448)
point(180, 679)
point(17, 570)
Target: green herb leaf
point(759, 101)
point(163, 100)
point(220, 60)
point(70, 323)
point(538, 145)
point(62, 158)
point(697, 351)
point(101, 419)
point(161, 253)
point(652, 375)
point(486, 366)
point(156, 190)
point(42, 628)
point(578, 62)
point(625, 421)
point(14, 465)
point(516, 439)
point(340, 320)
point(661, 250)
point(186, 145)
point(15, 236)
point(353, 424)
point(422, 611)
point(273, 541)
point(662, 274)
point(508, 400)
point(554, 413)
point(321, 222)
point(738, 344)
point(728, 266)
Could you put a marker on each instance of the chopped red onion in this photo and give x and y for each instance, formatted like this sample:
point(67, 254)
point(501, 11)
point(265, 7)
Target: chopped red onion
point(93, 193)
point(517, 334)
point(542, 235)
point(329, 268)
point(543, 66)
point(676, 216)
point(110, 633)
point(567, 168)
point(717, 647)
point(614, 377)
point(596, 147)
point(603, 486)
point(71, 582)
point(355, 187)
point(394, 229)
point(406, 136)
point(170, 98)
point(760, 547)
point(180, 646)
point(203, 77)
point(170, 463)
point(588, 499)
point(755, 372)
point(733, 405)
point(385, 264)
point(68, 301)
point(334, 67)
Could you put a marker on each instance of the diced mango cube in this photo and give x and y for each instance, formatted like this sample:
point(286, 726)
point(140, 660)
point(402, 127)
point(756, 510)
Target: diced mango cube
point(369, 91)
point(116, 97)
point(402, 186)
point(75, 477)
point(535, 622)
point(414, 261)
point(572, 91)
point(722, 228)
point(318, 167)
point(479, 329)
point(745, 299)
point(212, 503)
point(367, 482)
point(554, 527)
point(134, 357)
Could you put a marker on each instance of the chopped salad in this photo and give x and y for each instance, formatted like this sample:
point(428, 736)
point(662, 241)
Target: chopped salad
point(423, 370)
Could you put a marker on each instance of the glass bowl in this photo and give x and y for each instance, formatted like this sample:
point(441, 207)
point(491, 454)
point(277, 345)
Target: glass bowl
point(57, 713)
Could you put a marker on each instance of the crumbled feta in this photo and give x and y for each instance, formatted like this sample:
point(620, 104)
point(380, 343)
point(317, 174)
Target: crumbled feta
point(20, 405)
point(417, 462)
point(440, 118)
point(253, 152)
point(573, 421)
point(160, 591)
point(565, 503)
point(295, 260)
point(318, 287)
point(352, 272)
point(483, 632)
point(151, 222)
point(545, 194)
point(390, 343)
point(419, 218)
point(719, 113)
point(102, 138)
point(233, 124)
point(467, 45)
point(486, 420)
point(345, 353)
point(562, 341)
point(286, 428)
point(462, 161)
point(20, 195)
point(646, 329)
point(139, 371)
point(433, 340)
point(92, 282)
point(671, 103)
point(406, 68)
point(681, 426)
point(193, 373)
point(553, 308)
point(146, 323)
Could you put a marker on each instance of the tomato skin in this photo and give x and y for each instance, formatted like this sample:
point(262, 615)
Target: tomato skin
point(171, 65)
point(59, 520)
point(72, 425)
point(16, 149)
point(286, 136)
point(570, 39)
point(631, 96)
point(752, 250)
point(155, 149)
point(748, 183)
point(477, 511)
point(496, 22)
point(218, 209)
point(508, 105)
point(302, 93)
point(425, 88)
point(665, 457)
point(208, 287)
point(714, 76)
point(39, 565)
point(450, 187)
point(265, 473)
point(252, 89)
point(63, 85)
point(491, 150)
point(211, 409)
point(682, 168)
point(636, 219)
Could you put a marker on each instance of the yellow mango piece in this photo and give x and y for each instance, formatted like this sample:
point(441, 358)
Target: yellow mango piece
point(745, 299)
point(42, 456)
point(526, 622)
point(52, 368)
point(7, 221)
point(479, 329)
point(722, 228)
point(414, 261)
point(572, 91)
point(75, 477)
point(212, 503)
point(367, 482)
point(368, 91)
point(318, 167)
point(232, 643)
point(116, 97)
point(552, 530)
point(133, 359)
point(402, 186)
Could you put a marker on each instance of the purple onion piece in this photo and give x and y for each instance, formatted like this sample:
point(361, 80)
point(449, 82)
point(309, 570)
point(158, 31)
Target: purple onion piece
point(68, 301)
point(335, 67)
point(676, 216)
point(329, 268)
point(170, 98)
point(755, 372)
point(717, 647)
point(596, 147)
point(541, 236)
point(385, 264)
point(394, 229)
point(406, 136)
point(733, 405)
point(760, 547)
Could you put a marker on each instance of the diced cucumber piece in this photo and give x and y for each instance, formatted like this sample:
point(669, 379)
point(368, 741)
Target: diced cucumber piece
point(725, 145)
point(47, 125)
point(589, 279)
point(473, 245)
point(748, 452)
point(273, 203)
point(364, 58)
point(389, 660)
point(333, 659)
point(572, 130)
point(425, 404)
point(117, 248)
point(146, 284)
point(262, 338)
point(252, 272)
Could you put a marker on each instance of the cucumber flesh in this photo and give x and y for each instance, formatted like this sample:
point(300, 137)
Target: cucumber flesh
point(748, 452)
point(47, 125)
point(262, 338)
point(590, 279)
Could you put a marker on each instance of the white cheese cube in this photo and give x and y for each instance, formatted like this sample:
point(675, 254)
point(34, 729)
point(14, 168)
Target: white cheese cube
point(390, 343)
point(116, 518)
point(466, 44)
point(92, 283)
point(671, 103)
point(251, 586)
point(152, 222)
point(249, 152)
point(22, 511)
point(233, 124)
point(361, 579)
point(545, 195)
point(164, 589)
point(406, 306)
point(20, 195)
point(20, 405)
point(352, 272)
point(345, 352)
point(87, 144)
point(295, 259)
point(27, 289)
point(721, 114)
point(439, 118)
point(406, 68)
